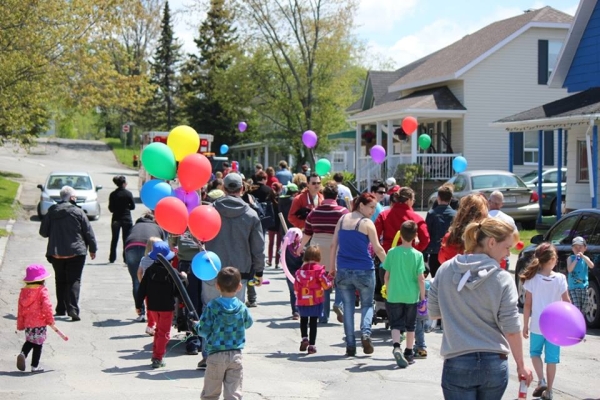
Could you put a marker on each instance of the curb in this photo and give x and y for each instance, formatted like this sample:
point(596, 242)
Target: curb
point(9, 226)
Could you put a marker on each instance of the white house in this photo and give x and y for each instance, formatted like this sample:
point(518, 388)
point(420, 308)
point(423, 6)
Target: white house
point(456, 92)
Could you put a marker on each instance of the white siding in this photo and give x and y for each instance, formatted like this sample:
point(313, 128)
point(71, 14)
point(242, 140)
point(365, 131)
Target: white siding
point(578, 194)
point(504, 84)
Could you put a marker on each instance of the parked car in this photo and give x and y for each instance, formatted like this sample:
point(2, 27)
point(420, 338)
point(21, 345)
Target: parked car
point(549, 187)
point(584, 223)
point(520, 202)
point(87, 196)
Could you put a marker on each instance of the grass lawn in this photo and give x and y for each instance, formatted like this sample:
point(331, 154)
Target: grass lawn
point(8, 191)
point(525, 236)
point(123, 155)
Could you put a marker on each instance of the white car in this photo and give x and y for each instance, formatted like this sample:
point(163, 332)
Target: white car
point(87, 193)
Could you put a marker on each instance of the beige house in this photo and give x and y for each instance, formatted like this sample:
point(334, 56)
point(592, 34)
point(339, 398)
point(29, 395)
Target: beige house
point(456, 92)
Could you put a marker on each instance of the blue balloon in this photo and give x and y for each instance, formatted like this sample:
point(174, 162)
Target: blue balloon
point(154, 191)
point(224, 149)
point(206, 265)
point(459, 164)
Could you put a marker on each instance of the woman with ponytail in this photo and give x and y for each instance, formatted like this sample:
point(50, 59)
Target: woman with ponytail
point(478, 303)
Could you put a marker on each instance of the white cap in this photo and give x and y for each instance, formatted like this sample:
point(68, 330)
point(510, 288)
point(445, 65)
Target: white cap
point(391, 181)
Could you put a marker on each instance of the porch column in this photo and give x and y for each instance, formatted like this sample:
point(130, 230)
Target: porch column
point(511, 155)
point(266, 164)
point(378, 141)
point(390, 147)
point(357, 155)
point(414, 138)
point(559, 161)
point(540, 163)
point(595, 164)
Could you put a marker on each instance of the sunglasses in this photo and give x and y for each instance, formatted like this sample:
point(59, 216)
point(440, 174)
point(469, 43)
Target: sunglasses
point(315, 183)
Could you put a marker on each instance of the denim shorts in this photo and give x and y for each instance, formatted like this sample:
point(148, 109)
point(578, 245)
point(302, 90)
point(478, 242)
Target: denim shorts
point(402, 316)
point(537, 343)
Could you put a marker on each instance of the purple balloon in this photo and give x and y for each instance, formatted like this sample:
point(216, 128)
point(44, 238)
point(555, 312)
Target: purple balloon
point(309, 138)
point(190, 199)
point(562, 324)
point(378, 153)
point(242, 126)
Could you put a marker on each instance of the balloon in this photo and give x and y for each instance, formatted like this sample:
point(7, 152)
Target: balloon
point(309, 138)
point(242, 126)
point(171, 215)
point(562, 324)
point(286, 270)
point(520, 245)
point(409, 125)
point(159, 161)
point(224, 149)
point(235, 166)
point(377, 153)
point(194, 172)
point(205, 223)
point(424, 141)
point(190, 199)
point(206, 265)
point(183, 140)
point(459, 164)
point(154, 191)
point(323, 166)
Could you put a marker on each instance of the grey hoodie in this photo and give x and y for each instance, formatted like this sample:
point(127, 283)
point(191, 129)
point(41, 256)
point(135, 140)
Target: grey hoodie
point(240, 242)
point(477, 317)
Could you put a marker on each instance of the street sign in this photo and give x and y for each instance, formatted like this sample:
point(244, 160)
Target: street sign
point(125, 128)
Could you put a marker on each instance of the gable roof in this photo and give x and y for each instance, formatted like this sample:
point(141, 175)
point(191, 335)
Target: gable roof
point(456, 59)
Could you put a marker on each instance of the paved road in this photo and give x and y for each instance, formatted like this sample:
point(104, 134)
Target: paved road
point(108, 356)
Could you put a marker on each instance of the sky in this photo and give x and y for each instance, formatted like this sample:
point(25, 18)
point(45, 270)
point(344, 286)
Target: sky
point(402, 31)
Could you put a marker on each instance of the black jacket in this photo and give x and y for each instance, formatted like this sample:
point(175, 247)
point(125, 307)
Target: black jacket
point(120, 204)
point(68, 231)
point(438, 221)
point(159, 287)
point(144, 229)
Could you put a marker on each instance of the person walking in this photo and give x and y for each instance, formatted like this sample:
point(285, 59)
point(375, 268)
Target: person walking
point(306, 201)
point(120, 204)
point(284, 175)
point(70, 235)
point(438, 221)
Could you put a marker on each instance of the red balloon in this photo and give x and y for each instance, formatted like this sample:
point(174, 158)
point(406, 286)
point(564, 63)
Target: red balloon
point(194, 171)
point(172, 215)
point(409, 125)
point(520, 245)
point(205, 223)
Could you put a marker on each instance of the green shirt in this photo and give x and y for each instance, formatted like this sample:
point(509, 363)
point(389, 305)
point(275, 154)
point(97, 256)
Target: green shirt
point(404, 264)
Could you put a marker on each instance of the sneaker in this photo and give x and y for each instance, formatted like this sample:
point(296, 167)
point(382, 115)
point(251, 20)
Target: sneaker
point(21, 362)
point(202, 364)
point(367, 344)
point(150, 331)
point(156, 363)
point(312, 349)
point(192, 352)
point(268, 263)
point(295, 316)
point(400, 360)
point(340, 315)
point(140, 318)
point(304, 344)
point(36, 369)
point(420, 353)
point(410, 358)
point(323, 321)
point(540, 388)
point(350, 351)
point(250, 304)
point(74, 316)
point(547, 395)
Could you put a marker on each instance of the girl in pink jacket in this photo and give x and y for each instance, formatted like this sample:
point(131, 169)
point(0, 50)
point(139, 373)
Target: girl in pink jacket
point(34, 314)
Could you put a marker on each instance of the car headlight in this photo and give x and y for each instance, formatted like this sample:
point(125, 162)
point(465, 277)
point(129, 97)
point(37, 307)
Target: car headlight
point(45, 197)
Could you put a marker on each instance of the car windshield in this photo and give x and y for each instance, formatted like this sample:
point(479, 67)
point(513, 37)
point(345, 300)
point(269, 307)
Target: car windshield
point(529, 176)
point(482, 182)
point(77, 182)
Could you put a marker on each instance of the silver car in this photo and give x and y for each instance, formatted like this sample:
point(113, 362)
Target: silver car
point(87, 196)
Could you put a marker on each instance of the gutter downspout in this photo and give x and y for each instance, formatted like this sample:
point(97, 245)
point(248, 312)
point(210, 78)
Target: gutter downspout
point(540, 170)
point(559, 161)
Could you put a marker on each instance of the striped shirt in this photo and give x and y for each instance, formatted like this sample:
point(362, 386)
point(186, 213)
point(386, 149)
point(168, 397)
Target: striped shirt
point(324, 218)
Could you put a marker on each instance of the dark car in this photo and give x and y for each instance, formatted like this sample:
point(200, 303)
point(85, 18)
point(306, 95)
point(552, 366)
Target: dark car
point(584, 223)
point(549, 188)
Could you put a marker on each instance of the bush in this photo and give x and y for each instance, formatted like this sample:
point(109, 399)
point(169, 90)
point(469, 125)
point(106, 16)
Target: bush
point(407, 174)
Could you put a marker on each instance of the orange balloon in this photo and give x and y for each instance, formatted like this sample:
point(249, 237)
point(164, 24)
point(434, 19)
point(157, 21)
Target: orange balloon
point(172, 215)
point(205, 223)
point(194, 171)
point(409, 125)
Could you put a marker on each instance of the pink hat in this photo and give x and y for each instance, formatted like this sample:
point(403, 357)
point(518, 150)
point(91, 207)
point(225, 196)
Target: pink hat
point(35, 272)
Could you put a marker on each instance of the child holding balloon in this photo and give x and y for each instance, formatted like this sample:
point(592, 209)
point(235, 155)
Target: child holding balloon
point(577, 266)
point(542, 286)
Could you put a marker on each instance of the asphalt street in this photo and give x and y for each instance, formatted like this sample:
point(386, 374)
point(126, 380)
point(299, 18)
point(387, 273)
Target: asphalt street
point(108, 354)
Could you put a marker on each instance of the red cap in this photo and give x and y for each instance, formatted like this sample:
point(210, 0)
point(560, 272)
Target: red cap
point(394, 189)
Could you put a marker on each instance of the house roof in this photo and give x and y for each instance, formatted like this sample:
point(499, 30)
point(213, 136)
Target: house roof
point(455, 59)
point(440, 98)
point(342, 135)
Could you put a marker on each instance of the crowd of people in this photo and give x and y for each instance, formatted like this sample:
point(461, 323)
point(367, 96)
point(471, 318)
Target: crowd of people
point(359, 245)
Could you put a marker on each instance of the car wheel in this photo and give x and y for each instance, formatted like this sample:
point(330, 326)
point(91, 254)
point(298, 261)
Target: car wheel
point(592, 315)
point(39, 211)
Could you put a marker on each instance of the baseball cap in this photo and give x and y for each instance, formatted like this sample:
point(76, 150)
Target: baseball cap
point(391, 181)
point(578, 240)
point(394, 189)
point(292, 187)
point(232, 182)
point(161, 248)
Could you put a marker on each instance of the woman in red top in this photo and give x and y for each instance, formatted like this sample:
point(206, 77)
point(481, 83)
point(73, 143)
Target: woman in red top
point(472, 208)
point(271, 177)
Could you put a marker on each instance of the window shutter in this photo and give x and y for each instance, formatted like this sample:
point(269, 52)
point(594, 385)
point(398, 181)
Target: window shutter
point(517, 148)
point(549, 148)
point(542, 62)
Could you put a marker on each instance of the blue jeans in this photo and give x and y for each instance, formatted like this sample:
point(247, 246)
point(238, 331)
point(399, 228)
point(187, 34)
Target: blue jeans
point(337, 301)
point(133, 255)
point(422, 325)
point(475, 376)
point(292, 296)
point(347, 282)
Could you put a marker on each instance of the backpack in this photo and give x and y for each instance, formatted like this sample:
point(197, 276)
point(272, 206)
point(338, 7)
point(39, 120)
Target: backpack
point(265, 212)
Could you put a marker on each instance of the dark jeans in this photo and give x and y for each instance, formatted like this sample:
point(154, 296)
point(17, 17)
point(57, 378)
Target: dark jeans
point(251, 294)
point(37, 352)
point(116, 226)
point(475, 376)
point(434, 264)
point(133, 255)
point(67, 273)
point(292, 296)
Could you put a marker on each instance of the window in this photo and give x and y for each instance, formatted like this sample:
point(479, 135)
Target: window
point(339, 157)
point(587, 228)
point(460, 183)
point(554, 47)
point(548, 51)
point(562, 232)
point(482, 182)
point(530, 147)
point(582, 162)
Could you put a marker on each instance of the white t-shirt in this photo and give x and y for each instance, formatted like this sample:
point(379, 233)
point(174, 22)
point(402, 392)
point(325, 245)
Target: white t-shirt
point(344, 192)
point(544, 290)
point(503, 216)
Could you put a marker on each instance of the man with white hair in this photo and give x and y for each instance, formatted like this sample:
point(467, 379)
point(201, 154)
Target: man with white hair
point(69, 236)
point(495, 203)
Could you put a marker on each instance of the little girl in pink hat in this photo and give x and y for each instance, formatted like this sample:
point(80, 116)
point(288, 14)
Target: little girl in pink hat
point(34, 314)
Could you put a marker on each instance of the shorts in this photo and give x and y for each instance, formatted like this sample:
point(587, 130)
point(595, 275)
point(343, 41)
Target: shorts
point(402, 316)
point(580, 298)
point(538, 342)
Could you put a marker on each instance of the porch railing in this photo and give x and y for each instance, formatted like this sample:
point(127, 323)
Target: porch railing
point(437, 166)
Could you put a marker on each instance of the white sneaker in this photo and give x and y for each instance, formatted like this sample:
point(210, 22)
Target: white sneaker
point(37, 369)
point(150, 331)
point(140, 318)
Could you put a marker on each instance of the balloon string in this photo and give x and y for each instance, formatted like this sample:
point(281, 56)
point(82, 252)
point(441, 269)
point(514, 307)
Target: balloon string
point(209, 259)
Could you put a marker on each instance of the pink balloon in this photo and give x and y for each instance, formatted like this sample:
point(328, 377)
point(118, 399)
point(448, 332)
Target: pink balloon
point(409, 125)
point(378, 154)
point(190, 199)
point(309, 138)
point(286, 270)
point(562, 324)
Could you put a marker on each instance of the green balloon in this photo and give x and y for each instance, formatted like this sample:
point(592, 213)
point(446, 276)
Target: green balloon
point(159, 161)
point(323, 166)
point(424, 141)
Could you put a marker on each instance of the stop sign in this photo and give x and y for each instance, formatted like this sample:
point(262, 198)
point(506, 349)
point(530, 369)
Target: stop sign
point(125, 128)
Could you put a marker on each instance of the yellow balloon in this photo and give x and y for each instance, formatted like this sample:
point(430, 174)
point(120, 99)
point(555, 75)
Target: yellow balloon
point(183, 140)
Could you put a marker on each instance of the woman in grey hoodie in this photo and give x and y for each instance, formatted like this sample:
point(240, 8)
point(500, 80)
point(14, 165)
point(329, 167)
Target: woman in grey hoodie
point(478, 303)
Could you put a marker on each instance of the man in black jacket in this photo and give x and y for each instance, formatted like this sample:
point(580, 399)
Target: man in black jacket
point(69, 236)
point(438, 220)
